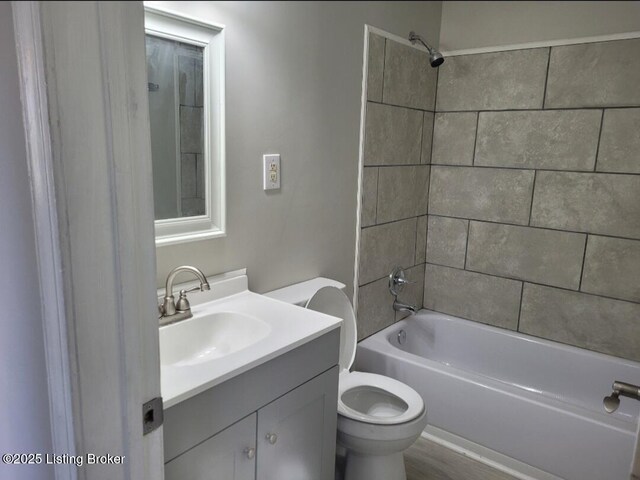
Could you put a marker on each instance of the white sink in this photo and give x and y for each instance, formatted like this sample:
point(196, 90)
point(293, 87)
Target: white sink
point(232, 331)
point(208, 337)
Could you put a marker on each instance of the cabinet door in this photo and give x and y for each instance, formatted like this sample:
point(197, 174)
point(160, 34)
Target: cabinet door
point(225, 456)
point(297, 432)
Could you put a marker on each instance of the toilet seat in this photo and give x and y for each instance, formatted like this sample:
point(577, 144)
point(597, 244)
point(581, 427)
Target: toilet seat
point(364, 397)
point(390, 402)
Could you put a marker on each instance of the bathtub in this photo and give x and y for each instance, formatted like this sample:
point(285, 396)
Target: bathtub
point(536, 402)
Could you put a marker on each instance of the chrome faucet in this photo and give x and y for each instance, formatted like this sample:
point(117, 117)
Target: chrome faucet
point(170, 311)
point(403, 307)
point(397, 282)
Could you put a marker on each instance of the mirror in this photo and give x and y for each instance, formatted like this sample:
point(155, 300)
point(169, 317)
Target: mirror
point(185, 72)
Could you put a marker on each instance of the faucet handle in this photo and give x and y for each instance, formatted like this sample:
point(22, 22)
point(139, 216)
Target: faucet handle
point(183, 304)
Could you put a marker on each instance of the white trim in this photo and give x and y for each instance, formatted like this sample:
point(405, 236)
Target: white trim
point(491, 458)
point(363, 118)
point(211, 37)
point(549, 43)
point(395, 38)
point(33, 93)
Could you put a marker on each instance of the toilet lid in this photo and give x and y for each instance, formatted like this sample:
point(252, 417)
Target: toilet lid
point(332, 301)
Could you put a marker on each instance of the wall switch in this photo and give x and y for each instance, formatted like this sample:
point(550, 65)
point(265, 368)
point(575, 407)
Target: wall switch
point(271, 173)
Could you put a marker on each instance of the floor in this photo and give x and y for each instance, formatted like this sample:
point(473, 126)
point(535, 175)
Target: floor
point(426, 460)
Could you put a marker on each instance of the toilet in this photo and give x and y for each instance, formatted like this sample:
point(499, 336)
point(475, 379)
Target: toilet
point(378, 417)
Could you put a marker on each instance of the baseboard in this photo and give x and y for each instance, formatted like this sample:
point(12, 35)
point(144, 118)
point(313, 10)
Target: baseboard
point(498, 461)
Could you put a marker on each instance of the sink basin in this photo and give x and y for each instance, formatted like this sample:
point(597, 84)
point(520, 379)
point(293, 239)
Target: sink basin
point(232, 331)
point(209, 337)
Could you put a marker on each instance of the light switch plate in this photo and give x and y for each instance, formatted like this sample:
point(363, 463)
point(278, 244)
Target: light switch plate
point(271, 171)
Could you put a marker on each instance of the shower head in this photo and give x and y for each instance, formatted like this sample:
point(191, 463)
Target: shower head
point(435, 57)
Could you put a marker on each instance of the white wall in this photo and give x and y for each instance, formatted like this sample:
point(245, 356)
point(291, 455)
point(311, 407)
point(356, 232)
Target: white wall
point(474, 24)
point(24, 403)
point(294, 73)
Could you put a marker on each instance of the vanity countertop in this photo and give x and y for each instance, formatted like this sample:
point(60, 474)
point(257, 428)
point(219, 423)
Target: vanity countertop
point(289, 326)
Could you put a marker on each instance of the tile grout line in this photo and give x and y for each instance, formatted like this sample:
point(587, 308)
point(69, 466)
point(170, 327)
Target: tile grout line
point(595, 163)
point(475, 140)
point(514, 279)
point(466, 248)
point(395, 105)
point(533, 193)
point(546, 109)
point(375, 220)
point(584, 258)
point(546, 80)
point(537, 227)
point(384, 64)
point(520, 306)
point(525, 169)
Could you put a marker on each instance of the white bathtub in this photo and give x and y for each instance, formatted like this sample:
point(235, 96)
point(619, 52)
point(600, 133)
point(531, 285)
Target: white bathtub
point(532, 400)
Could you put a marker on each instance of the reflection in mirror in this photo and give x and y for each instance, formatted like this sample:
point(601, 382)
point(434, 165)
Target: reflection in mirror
point(174, 72)
point(185, 75)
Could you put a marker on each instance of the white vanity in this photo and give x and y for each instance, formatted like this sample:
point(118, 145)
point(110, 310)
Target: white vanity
point(249, 387)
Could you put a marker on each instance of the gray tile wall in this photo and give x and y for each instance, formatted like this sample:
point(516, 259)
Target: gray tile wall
point(191, 131)
point(397, 156)
point(534, 199)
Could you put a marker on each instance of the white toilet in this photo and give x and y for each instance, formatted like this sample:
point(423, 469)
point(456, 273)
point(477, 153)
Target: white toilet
point(378, 417)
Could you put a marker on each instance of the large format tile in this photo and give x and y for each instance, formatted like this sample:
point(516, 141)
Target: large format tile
point(612, 268)
point(375, 308)
point(421, 239)
point(191, 135)
point(533, 254)
point(403, 192)
point(588, 202)
point(553, 140)
point(620, 141)
point(454, 137)
point(587, 321)
point(427, 137)
point(187, 80)
point(375, 67)
point(393, 135)
point(605, 74)
point(493, 81)
point(409, 79)
point(188, 179)
point(447, 241)
point(369, 196)
point(384, 246)
point(492, 194)
point(483, 298)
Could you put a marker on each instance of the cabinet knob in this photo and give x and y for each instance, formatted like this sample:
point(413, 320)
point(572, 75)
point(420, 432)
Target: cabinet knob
point(250, 452)
point(271, 438)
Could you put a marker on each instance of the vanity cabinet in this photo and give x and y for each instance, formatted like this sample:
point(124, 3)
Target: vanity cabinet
point(284, 409)
point(297, 433)
point(225, 456)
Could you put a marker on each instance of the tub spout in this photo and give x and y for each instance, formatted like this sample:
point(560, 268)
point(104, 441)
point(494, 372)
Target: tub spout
point(612, 402)
point(403, 307)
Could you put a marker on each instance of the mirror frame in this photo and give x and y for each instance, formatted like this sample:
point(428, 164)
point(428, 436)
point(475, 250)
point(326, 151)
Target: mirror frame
point(174, 26)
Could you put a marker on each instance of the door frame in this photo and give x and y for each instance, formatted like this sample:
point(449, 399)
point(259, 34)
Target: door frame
point(93, 216)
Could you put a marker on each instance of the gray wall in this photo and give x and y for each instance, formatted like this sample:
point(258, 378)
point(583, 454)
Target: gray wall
point(471, 24)
point(534, 207)
point(24, 404)
point(294, 76)
point(398, 128)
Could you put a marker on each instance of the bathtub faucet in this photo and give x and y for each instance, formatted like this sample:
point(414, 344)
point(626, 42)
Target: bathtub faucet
point(612, 402)
point(397, 282)
point(403, 307)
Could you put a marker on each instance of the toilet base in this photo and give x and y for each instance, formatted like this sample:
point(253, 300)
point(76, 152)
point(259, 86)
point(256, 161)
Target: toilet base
point(375, 467)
